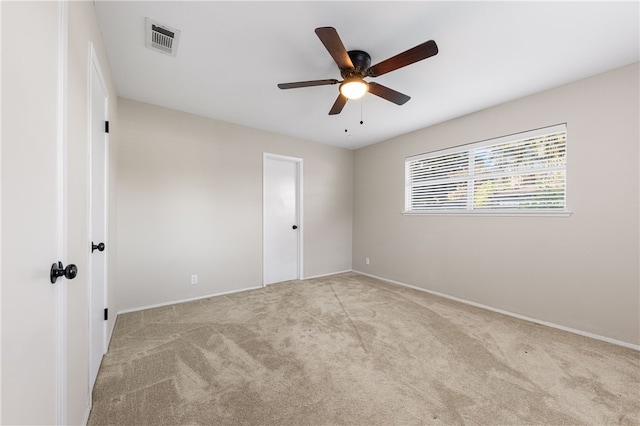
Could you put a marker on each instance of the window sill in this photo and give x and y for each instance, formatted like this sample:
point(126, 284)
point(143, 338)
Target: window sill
point(503, 213)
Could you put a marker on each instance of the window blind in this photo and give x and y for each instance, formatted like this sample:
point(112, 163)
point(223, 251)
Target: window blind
point(517, 173)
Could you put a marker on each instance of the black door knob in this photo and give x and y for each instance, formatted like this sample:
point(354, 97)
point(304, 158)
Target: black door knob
point(57, 270)
point(294, 227)
point(99, 247)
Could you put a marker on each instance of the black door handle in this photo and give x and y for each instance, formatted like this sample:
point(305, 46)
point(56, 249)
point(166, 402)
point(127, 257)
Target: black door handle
point(57, 270)
point(99, 247)
point(294, 227)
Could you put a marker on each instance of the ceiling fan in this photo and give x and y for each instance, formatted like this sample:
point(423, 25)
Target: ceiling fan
point(354, 66)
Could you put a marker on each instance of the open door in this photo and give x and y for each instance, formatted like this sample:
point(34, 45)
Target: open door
point(33, 226)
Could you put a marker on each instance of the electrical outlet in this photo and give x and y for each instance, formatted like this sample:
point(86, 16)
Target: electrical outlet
point(366, 260)
point(194, 279)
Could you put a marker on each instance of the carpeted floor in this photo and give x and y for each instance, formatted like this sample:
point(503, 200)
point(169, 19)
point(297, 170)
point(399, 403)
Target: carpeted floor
point(349, 349)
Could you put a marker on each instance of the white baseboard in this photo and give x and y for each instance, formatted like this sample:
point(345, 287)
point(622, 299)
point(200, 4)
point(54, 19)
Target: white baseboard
point(87, 413)
point(326, 275)
point(511, 314)
point(158, 305)
point(174, 302)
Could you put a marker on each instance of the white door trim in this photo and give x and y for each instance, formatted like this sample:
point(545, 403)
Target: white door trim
point(62, 160)
point(94, 64)
point(299, 210)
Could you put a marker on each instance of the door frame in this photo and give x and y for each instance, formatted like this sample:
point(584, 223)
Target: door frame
point(299, 210)
point(63, 206)
point(94, 64)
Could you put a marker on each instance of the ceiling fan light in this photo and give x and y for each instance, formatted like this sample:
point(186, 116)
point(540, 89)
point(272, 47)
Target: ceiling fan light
point(354, 89)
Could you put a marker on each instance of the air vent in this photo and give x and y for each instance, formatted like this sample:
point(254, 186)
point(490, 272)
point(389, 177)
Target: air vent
point(161, 38)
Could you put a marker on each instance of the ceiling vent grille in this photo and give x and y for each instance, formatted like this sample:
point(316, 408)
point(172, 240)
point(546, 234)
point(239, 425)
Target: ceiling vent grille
point(161, 38)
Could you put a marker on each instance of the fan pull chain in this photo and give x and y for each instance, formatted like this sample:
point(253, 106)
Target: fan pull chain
point(361, 119)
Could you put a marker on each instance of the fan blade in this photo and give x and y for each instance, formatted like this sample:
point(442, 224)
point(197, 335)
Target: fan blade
point(389, 94)
point(331, 40)
point(307, 83)
point(408, 57)
point(338, 104)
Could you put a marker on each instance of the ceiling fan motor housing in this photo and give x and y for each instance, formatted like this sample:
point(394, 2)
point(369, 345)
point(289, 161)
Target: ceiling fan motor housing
point(361, 63)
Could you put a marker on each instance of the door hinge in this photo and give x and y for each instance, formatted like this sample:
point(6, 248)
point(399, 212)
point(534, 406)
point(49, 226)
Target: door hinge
point(106, 127)
point(106, 314)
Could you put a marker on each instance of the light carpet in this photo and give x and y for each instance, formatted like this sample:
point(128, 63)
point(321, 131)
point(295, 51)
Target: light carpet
point(352, 350)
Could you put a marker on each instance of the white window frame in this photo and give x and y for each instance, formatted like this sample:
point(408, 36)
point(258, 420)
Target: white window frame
point(465, 206)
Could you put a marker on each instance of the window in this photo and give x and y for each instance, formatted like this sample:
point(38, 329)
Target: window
point(522, 174)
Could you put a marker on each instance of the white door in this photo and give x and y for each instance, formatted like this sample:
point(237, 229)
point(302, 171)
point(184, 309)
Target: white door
point(33, 206)
point(98, 206)
point(282, 218)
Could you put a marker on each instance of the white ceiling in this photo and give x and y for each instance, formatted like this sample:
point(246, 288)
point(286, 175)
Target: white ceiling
point(231, 56)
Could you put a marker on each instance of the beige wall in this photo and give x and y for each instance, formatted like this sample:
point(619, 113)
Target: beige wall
point(580, 272)
point(190, 202)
